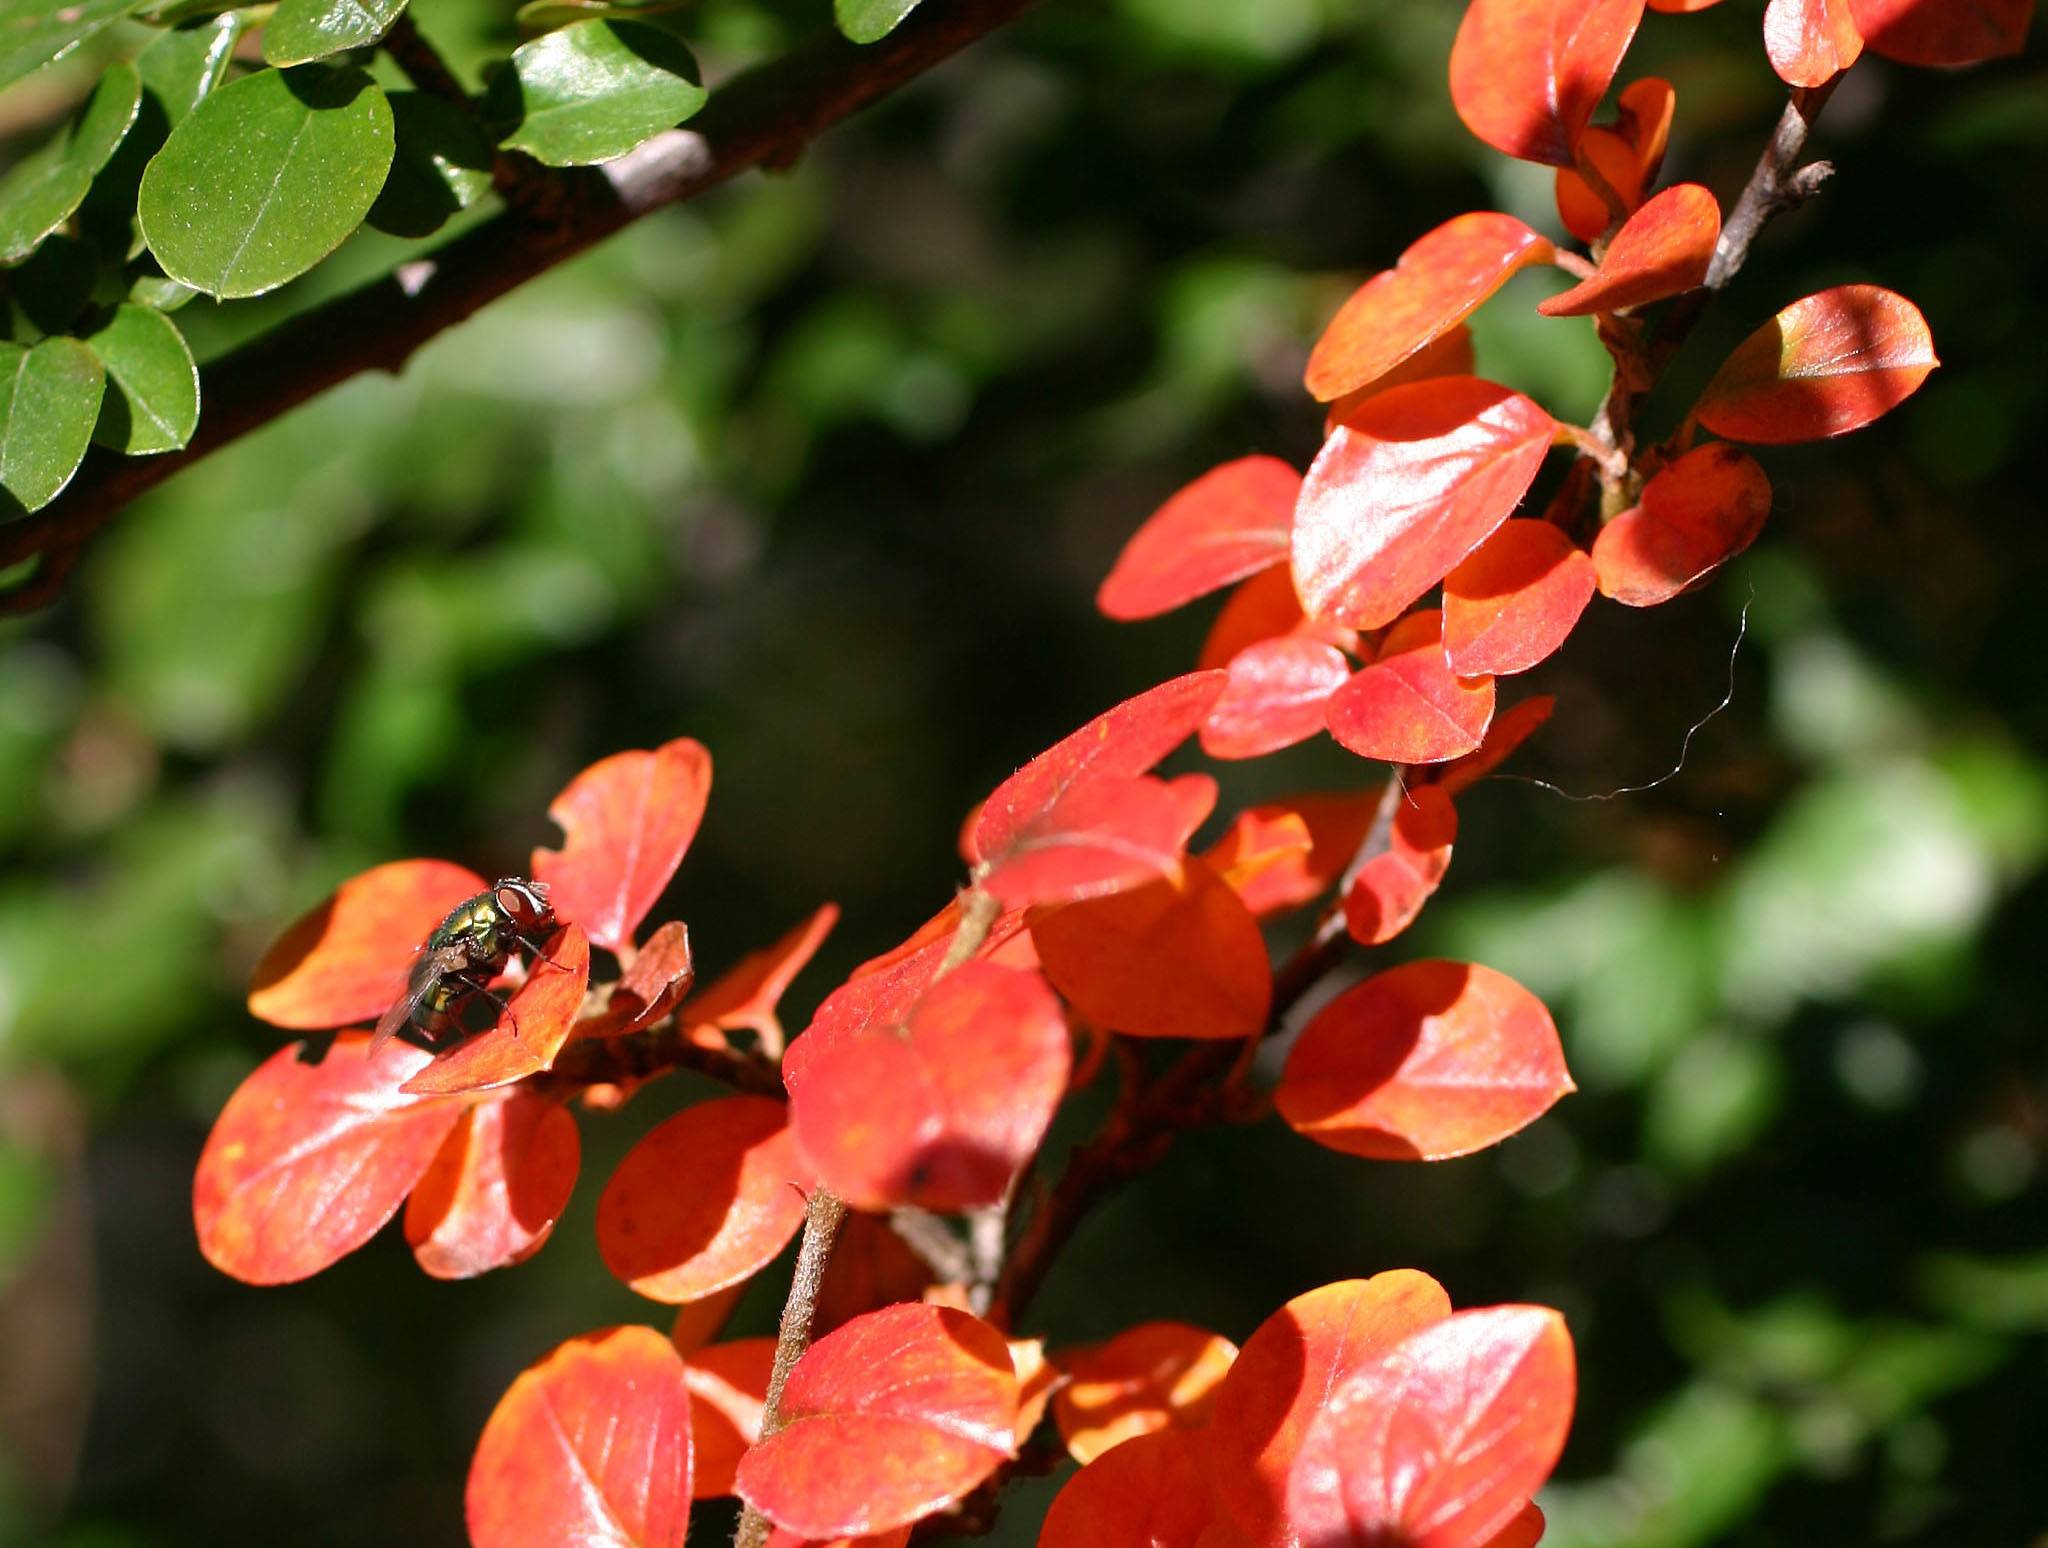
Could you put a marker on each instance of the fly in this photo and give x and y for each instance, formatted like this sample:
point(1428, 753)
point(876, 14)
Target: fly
point(466, 951)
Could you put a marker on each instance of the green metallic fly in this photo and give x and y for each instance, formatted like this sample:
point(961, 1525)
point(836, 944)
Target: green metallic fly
point(466, 951)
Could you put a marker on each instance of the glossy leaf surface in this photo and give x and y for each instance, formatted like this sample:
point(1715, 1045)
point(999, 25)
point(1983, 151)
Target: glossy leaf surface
point(590, 1446)
point(152, 399)
point(1527, 74)
point(303, 30)
point(1151, 1492)
point(1662, 250)
point(347, 960)
point(629, 820)
point(1104, 834)
point(1810, 42)
point(1943, 32)
point(1389, 890)
point(1417, 479)
point(869, 21)
point(1425, 1061)
point(704, 1199)
point(728, 1390)
point(1438, 282)
point(266, 177)
point(1275, 697)
point(1510, 729)
point(529, 1031)
point(1514, 599)
point(593, 90)
point(1694, 516)
point(1271, 870)
point(496, 1187)
point(1265, 608)
point(1155, 1376)
point(49, 401)
point(44, 189)
point(1449, 354)
point(888, 1419)
point(1407, 706)
point(34, 32)
point(311, 1156)
point(1824, 366)
point(1229, 523)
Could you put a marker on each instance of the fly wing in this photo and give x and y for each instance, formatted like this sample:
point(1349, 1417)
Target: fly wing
point(428, 969)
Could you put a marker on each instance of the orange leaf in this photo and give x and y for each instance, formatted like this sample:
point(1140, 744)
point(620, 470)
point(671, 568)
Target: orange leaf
point(1105, 833)
point(1154, 1376)
point(1810, 42)
point(1661, 250)
point(894, 1416)
point(1509, 730)
point(896, 1537)
point(496, 1187)
point(1391, 888)
point(871, 1267)
point(1449, 354)
point(629, 820)
point(1943, 32)
point(1178, 958)
point(659, 975)
point(348, 959)
point(1407, 706)
point(1824, 366)
point(311, 1156)
point(591, 1445)
point(529, 1032)
point(1682, 7)
point(699, 1322)
point(1037, 1380)
point(1695, 515)
point(1441, 1441)
point(1125, 741)
point(1266, 865)
point(1524, 1531)
point(1411, 484)
point(1626, 155)
point(704, 1200)
point(746, 995)
point(1514, 599)
point(1436, 284)
point(1284, 1376)
point(943, 1110)
point(1229, 523)
point(1428, 1060)
point(728, 1390)
point(1274, 698)
point(1527, 74)
point(1151, 1492)
point(1266, 608)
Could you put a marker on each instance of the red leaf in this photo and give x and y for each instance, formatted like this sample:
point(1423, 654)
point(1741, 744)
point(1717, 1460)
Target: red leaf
point(530, 1030)
point(1626, 154)
point(1154, 1376)
point(1229, 523)
point(1391, 888)
point(1824, 366)
point(348, 959)
point(1174, 959)
point(699, 1322)
point(629, 820)
point(1104, 833)
point(1440, 1442)
point(1151, 1492)
point(1695, 515)
point(1274, 698)
point(728, 1389)
point(1509, 730)
point(1407, 706)
point(310, 1157)
point(1449, 354)
point(1682, 7)
point(943, 1111)
point(1524, 1531)
point(895, 1537)
point(592, 1445)
point(871, 1267)
point(747, 994)
point(1943, 32)
point(659, 975)
point(892, 1417)
point(1810, 42)
point(494, 1191)
point(704, 1200)
point(1428, 1060)
point(1417, 479)
point(1527, 74)
point(1514, 599)
point(1663, 249)
point(1437, 283)
point(1285, 1375)
point(1266, 608)
point(1271, 870)
point(1124, 742)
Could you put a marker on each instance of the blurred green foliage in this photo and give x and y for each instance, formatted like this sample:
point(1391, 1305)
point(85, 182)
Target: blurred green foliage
point(823, 471)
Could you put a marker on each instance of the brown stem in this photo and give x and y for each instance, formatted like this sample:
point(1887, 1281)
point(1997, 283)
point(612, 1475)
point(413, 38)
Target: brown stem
point(765, 117)
point(822, 1219)
point(642, 1056)
point(423, 64)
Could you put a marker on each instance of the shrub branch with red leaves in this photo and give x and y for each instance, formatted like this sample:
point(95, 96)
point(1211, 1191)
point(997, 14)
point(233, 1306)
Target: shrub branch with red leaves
point(1379, 595)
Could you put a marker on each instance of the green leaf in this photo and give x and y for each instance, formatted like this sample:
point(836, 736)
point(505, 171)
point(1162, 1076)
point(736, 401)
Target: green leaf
point(49, 398)
point(443, 165)
point(265, 178)
point(186, 63)
point(303, 30)
point(592, 91)
point(34, 32)
point(869, 21)
point(152, 403)
point(56, 282)
point(42, 192)
point(538, 16)
point(165, 295)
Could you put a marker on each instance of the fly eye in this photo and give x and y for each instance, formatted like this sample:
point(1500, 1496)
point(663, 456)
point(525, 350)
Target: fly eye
point(510, 901)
